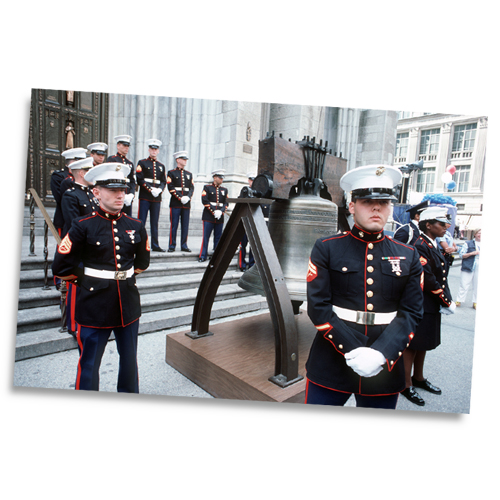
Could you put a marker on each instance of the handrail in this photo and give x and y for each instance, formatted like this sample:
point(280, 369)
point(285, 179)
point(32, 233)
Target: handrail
point(48, 225)
point(46, 216)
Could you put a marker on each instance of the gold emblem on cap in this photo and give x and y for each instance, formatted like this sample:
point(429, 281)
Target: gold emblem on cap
point(380, 170)
point(118, 168)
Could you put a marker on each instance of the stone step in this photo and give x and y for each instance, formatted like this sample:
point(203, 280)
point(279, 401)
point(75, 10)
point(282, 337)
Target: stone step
point(50, 340)
point(152, 299)
point(168, 264)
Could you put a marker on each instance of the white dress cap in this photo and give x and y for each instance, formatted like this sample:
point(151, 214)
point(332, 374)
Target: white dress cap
point(85, 163)
point(71, 154)
point(109, 175)
point(435, 213)
point(219, 173)
point(372, 181)
point(98, 147)
point(181, 154)
point(154, 143)
point(123, 138)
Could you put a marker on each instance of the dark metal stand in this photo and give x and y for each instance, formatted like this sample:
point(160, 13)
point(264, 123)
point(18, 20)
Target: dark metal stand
point(247, 217)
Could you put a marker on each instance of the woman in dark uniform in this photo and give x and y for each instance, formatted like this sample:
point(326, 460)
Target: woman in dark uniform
point(437, 299)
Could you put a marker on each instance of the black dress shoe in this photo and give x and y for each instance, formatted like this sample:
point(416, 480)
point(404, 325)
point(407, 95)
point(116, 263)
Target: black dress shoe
point(158, 249)
point(171, 249)
point(72, 333)
point(186, 250)
point(202, 260)
point(426, 385)
point(412, 395)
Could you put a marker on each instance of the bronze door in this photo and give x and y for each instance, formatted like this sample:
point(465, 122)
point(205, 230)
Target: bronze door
point(60, 120)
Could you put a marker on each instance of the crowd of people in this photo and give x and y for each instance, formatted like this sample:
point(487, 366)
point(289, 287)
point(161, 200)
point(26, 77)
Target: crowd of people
point(103, 247)
point(376, 301)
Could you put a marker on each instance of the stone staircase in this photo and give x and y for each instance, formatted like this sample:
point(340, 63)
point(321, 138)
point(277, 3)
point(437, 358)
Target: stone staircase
point(168, 291)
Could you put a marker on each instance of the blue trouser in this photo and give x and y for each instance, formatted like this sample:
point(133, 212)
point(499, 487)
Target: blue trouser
point(177, 213)
point(208, 227)
point(318, 395)
point(92, 342)
point(243, 254)
point(153, 207)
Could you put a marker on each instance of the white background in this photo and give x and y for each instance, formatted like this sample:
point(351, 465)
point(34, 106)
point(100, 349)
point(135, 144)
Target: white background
point(432, 56)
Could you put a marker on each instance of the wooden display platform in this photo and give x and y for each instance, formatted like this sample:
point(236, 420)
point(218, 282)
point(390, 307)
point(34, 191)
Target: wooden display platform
point(238, 359)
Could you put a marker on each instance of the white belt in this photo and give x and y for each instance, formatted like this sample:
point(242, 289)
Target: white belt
point(180, 189)
point(218, 204)
point(154, 181)
point(108, 275)
point(363, 317)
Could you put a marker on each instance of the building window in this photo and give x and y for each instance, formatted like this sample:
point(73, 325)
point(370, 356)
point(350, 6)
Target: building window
point(463, 140)
point(401, 147)
point(425, 180)
point(461, 178)
point(404, 114)
point(429, 144)
point(460, 206)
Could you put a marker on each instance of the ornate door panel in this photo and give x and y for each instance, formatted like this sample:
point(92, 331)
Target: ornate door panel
point(60, 120)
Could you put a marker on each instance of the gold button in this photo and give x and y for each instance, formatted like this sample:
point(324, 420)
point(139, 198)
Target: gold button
point(116, 238)
point(370, 307)
point(91, 288)
point(370, 245)
point(118, 266)
point(369, 281)
point(344, 269)
point(369, 269)
point(330, 336)
point(398, 274)
point(369, 256)
point(392, 362)
point(98, 243)
point(114, 222)
point(118, 257)
point(115, 230)
point(117, 247)
point(400, 353)
point(341, 346)
point(369, 293)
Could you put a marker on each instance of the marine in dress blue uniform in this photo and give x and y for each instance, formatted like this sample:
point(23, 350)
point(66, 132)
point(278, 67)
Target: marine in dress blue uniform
point(214, 200)
point(57, 178)
point(181, 188)
point(122, 146)
point(98, 152)
point(78, 200)
point(152, 180)
point(102, 254)
point(409, 233)
point(242, 253)
point(437, 300)
point(364, 296)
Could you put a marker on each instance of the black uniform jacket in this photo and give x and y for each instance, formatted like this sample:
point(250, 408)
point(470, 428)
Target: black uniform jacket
point(436, 290)
point(150, 174)
point(407, 234)
point(214, 198)
point(109, 242)
point(362, 271)
point(56, 179)
point(180, 183)
point(76, 201)
point(118, 158)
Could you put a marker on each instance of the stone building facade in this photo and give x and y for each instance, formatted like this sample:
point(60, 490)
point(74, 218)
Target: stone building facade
point(441, 140)
point(225, 134)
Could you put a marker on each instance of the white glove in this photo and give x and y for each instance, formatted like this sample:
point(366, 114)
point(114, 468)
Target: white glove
point(155, 192)
point(217, 214)
point(185, 199)
point(448, 310)
point(365, 361)
point(128, 199)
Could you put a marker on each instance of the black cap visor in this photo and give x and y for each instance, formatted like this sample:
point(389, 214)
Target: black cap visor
point(373, 194)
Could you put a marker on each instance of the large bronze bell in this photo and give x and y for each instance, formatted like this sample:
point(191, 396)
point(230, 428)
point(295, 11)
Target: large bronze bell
point(294, 225)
